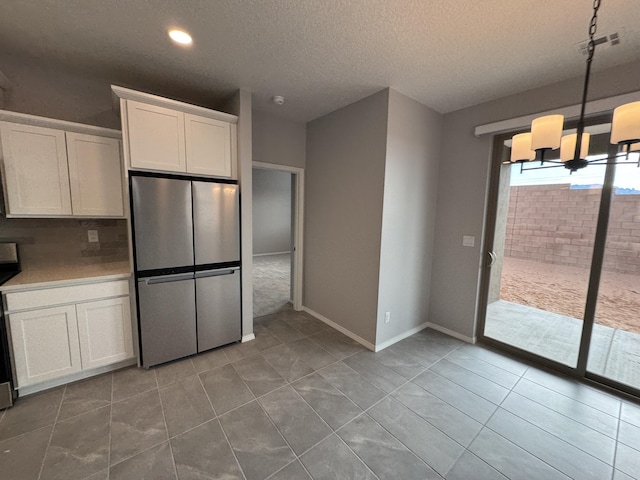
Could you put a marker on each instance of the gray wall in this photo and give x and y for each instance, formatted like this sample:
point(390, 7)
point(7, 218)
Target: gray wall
point(278, 141)
point(271, 211)
point(408, 218)
point(345, 164)
point(462, 192)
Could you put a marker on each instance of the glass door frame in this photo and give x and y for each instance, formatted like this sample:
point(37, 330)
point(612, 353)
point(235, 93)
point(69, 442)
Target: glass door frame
point(498, 157)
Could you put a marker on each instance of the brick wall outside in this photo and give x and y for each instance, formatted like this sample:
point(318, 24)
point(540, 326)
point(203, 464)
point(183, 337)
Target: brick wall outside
point(554, 224)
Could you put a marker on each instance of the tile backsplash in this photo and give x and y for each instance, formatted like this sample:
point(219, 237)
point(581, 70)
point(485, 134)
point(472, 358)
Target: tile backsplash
point(53, 242)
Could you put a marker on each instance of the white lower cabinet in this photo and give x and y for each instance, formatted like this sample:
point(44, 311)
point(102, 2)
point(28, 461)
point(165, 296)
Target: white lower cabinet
point(58, 341)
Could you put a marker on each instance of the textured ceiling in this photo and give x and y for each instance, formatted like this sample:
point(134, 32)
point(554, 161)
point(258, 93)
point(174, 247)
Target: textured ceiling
point(323, 54)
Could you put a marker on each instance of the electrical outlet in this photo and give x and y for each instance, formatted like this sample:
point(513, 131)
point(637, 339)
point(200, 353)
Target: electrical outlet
point(387, 317)
point(92, 236)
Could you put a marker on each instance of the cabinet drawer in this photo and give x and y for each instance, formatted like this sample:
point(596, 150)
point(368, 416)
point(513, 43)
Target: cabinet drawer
point(63, 295)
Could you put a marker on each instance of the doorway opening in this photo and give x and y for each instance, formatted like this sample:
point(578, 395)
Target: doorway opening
point(277, 238)
point(562, 283)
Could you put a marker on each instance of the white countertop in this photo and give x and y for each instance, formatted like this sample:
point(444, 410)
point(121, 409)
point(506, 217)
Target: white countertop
point(66, 275)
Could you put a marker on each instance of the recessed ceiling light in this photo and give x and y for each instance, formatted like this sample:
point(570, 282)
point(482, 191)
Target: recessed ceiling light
point(180, 36)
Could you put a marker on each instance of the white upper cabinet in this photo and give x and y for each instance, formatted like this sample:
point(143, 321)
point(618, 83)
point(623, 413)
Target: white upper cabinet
point(95, 175)
point(208, 146)
point(156, 137)
point(35, 170)
point(59, 172)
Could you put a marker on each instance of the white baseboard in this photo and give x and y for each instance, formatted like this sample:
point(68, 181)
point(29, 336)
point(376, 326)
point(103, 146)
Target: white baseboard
point(274, 253)
point(451, 333)
point(402, 336)
point(248, 338)
point(341, 329)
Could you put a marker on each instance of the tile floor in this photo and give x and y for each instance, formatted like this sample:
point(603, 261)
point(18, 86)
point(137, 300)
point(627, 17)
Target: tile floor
point(303, 401)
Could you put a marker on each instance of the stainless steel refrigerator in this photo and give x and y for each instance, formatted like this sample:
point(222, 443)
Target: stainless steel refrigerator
point(186, 235)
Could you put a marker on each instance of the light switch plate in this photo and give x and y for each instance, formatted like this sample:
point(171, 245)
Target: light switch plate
point(92, 235)
point(468, 241)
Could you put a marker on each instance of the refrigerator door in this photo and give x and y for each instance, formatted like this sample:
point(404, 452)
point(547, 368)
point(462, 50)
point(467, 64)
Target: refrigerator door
point(163, 227)
point(167, 318)
point(216, 221)
point(218, 305)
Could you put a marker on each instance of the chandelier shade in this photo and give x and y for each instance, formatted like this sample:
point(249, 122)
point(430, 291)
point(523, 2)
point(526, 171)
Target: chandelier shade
point(625, 128)
point(521, 148)
point(568, 146)
point(546, 132)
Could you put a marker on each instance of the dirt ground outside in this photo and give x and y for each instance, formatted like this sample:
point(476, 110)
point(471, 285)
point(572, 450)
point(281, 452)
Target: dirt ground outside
point(563, 289)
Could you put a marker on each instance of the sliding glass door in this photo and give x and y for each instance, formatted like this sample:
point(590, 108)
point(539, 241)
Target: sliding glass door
point(562, 277)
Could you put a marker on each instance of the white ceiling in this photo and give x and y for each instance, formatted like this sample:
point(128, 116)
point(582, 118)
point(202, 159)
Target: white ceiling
point(323, 54)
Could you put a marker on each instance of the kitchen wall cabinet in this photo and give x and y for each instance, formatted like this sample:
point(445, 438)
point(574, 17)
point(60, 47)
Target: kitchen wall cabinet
point(168, 136)
point(50, 172)
point(91, 329)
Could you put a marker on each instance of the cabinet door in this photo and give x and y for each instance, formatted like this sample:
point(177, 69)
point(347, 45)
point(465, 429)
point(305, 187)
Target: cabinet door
point(45, 344)
point(156, 137)
point(95, 175)
point(104, 329)
point(35, 170)
point(208, 146)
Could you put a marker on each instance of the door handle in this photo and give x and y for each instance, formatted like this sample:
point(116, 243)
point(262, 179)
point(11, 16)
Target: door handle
point(217, 273)
point(492, 258)
point(167, 278)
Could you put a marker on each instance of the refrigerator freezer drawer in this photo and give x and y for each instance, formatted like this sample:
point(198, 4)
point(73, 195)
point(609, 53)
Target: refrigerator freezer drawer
point(167, 318)
point(216, 222)
point(218, 304)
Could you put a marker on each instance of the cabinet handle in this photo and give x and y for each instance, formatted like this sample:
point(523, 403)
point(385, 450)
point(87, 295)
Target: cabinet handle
point(217, 273)
point(167, 278)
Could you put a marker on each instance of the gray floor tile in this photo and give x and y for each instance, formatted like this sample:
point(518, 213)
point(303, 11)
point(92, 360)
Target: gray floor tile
point(439, 337)
point(136, 425)
point(343, 465)
point(153, 464)
point(21, 457)
point(475, 383)
point(258, 445)
point(578, 411)
point(352, 384)
point(497, 359)
point(265, 340)
point(484, 369)
point(286, 363)
point(293, 471)
point(283, 331)
point(204, 453)
point(455, 424)
point(565, 428)
point(629, 435)
point(79, 446)
point(132, 381)
point(628, 461)
point(259, 376)
point(565, 457)
point(304, 323)
point(238, 351)
point(102, 475)
point(383, 377)
point(427, 442)
point(185, 405)
point(630, 413)
point(86, 395)
point(575, 390)
point(298, 422)
point(467, 402)
point(338, 345)
point(312, 354)
point(511, 460)
point(208, 360)
point(423, 341)
point(399, 361)
point(225, 389)
point(383, 454)
point(174, 371)
point(421, 350)
point(470, 467)
point(618, 475)
point(334, 407)
point(30, 413)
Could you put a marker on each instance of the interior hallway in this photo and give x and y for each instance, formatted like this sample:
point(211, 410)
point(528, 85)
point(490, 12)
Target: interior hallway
point(303, 401)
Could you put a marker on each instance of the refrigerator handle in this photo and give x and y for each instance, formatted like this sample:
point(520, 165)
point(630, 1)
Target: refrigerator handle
point(217, 273)
point(167, 278)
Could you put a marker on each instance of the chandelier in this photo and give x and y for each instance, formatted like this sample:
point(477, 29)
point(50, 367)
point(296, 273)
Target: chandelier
point(546, 132)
